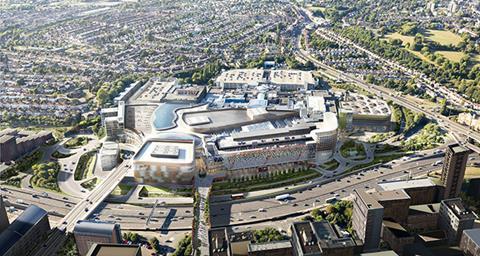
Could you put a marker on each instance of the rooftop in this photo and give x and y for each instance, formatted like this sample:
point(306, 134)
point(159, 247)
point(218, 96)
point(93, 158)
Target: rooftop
point(6, 138)
point(458, 208)
point(114, 250)
point(424, 209)
point(458, 149)
point(220, 120)
point(247, 76)
point(316, 103)
point(166, 151)
point(154, 90)
point(109, 148)
point(389, 195)
point(29, 218)
point(306, 237)
point(396, 229)
point(473, 234)
point(367, 199)
point(291, 77)
point(219, 245)
point(88, 227)
point(363, 105)
point(395, 185)
point(259, 247)
point(384, 253)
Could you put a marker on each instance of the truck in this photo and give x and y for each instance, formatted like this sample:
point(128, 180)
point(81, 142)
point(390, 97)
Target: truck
point(237, 196)
point(282, 197)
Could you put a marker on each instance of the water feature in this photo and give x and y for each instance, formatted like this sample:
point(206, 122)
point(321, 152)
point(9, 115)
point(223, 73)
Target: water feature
point(165, 115)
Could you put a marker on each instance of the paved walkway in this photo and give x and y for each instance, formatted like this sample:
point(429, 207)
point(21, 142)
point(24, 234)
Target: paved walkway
point(203, 186)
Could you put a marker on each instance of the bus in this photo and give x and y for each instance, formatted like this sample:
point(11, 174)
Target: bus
point(282, 197)
point(237, 196)
point(331, 200)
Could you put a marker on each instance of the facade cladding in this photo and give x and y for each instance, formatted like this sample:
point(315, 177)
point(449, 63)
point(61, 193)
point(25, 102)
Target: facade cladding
point(470, 242)
point(455, 218)
point(453, 171)
point(4, 222)
point(25, 233)
point(367, 219)
point(88, 233)
point(155, 162)
point(14, 144)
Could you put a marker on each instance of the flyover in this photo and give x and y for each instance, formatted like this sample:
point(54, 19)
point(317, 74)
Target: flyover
point(83, 209)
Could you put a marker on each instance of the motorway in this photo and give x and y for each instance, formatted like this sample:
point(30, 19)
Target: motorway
point(55, 204)
point(233, 213)
point(134, 217)
point(84, 208)
point(127, 215)
point(384, 93)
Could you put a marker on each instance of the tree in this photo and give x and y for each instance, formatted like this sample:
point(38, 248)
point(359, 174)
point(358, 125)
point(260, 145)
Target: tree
point(154, 243)
point(102, 96)
point(267, 235)
point(184, 247)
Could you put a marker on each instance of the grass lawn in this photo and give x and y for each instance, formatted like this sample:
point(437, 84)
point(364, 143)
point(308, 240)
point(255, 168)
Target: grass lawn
point(76, 142)
point(91, 166)
point(60, 155)
point(379, 137)
point(330, 165)
point(314, 8)
point(405, 39)
point(230, 187)
point(443, 37)
point(440, 36)
point(91, 183)
point(353, 149)
point(153, 191)
point(421, 56)
point(121, 189)
point(84, 165)
point(451, 55)
point(378, 160)
point(472, 172)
